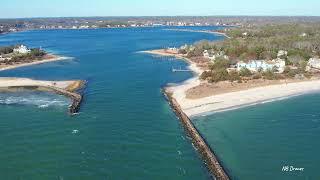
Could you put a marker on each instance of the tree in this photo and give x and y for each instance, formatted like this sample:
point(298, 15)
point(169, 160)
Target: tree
point(220, 63)
point(182, 51)
point(234, 76)
point(302, 66)
point(205, 75)
point(220, 75)
point(269, 74)
point(259, 50)
point(37, 52)
point(245, 72)
point(6, 50)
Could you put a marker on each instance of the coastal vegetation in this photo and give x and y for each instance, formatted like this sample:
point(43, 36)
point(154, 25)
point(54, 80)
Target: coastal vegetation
point(294, 44)
point(300, 41)
point(10, 55)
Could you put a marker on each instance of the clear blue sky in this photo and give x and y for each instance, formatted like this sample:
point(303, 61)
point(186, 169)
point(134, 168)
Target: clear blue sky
point(62, 8)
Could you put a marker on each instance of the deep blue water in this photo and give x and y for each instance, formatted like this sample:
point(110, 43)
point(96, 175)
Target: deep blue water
point(126, 129)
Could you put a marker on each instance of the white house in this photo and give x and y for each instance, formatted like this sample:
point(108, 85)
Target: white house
point(280, 64)
point(282, 53)
point(206, 54)
point(303, 35)
point(256, 65)
point(213, 56)
point(245, 34)
point(21, 49)
point(313, 63)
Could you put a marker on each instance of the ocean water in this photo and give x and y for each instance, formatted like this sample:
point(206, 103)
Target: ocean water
point(258, 142)
point(125, 130)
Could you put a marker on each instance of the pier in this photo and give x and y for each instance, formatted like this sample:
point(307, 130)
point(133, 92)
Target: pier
point(207, 154)
point(180, 70)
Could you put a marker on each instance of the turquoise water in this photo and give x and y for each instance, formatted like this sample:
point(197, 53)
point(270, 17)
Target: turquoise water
point(125, 130)
point(256, 142)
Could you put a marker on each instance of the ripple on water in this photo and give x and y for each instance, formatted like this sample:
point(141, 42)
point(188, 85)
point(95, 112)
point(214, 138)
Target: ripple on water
point(38, 99)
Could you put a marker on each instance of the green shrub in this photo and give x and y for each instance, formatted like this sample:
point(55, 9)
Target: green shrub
point(234, 76)
point(245, 72)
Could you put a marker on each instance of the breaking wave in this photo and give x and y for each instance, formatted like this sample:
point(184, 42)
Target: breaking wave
point(40, 100)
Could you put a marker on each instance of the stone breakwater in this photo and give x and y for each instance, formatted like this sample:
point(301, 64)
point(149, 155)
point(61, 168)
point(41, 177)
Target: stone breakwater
point(70, 89)
point(207, 154)
point(74, 96)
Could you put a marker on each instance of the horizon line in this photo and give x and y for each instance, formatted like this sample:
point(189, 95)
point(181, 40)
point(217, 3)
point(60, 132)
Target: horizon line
point(137, 16)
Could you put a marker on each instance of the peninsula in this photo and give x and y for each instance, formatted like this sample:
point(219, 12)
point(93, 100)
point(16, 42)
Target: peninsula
point(242, 71)
point(12, 57)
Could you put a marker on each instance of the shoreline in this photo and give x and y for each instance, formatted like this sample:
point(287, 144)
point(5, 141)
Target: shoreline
point(243, 98)
point(67, 88)
point(201, 31)
point(231, 100)
point(53, 58)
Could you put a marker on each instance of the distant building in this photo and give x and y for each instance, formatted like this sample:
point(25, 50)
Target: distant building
point(282, 53)
point(206, 54)
point(280, 64)
point(213, 56)
point(21, 49)
point(304, 35)
point(256, 65)
point(84, 27)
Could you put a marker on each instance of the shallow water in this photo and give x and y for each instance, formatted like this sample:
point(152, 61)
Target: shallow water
point(125, 130)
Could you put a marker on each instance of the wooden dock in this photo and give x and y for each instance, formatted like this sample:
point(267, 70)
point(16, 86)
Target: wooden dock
point(181, 70)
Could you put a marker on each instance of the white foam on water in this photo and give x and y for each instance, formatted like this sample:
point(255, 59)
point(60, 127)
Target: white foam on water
point(39, 100)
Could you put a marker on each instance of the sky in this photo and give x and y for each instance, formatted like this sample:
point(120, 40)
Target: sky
point(74, 8)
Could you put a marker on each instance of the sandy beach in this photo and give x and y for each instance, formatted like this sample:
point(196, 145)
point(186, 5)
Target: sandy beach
point(51, 58)
point(232, 100)
point(201, 31)
point(228, 101)
point(25, 82)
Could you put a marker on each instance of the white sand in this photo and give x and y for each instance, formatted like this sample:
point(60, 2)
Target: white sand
point(232, 100)
point(58, 58)
point(12, 82)
point(227, 101)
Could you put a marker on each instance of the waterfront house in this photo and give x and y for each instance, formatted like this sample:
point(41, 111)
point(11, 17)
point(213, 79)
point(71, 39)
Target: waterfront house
point(282, 54)
point(206, 54)
point(209, 54)
point(303, 35)
point(21, 49)
point(280, 64)
point(313, 63)
point(256, 65)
